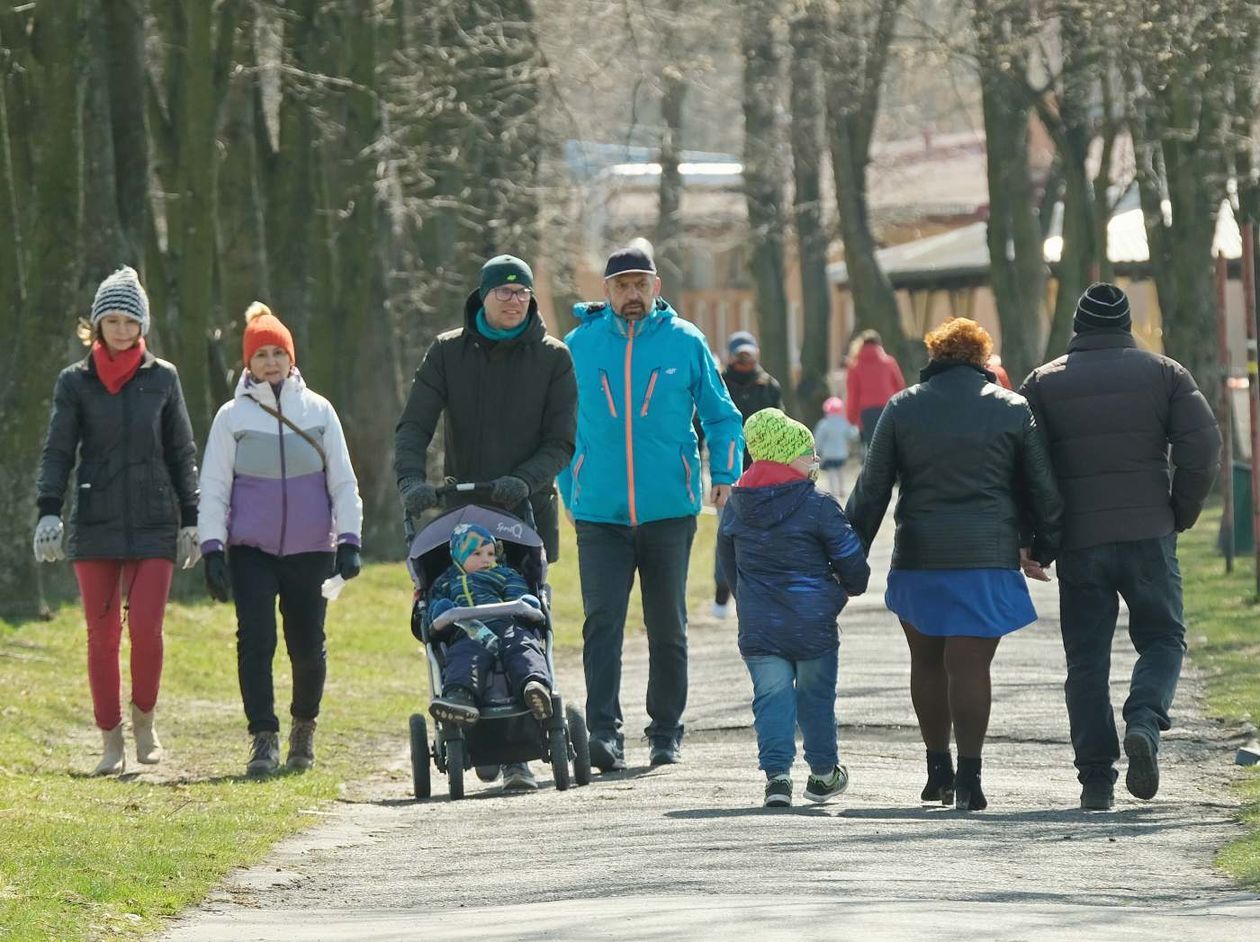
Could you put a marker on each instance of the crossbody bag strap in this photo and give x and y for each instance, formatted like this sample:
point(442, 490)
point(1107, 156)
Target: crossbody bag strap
point(310, 439)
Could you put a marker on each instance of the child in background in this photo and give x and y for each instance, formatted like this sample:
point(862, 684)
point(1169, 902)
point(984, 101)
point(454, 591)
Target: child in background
point(792, 561)
point(475, 577)
point(832, 436)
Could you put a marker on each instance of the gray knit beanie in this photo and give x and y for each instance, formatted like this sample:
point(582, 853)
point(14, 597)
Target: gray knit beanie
point(122, 293)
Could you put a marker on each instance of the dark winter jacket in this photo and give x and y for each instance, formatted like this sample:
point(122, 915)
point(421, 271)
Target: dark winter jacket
point(1110, 413)
point(752, 391)
point(510, 408)
point(792, 561)
point(137, 472)
point(972, 467)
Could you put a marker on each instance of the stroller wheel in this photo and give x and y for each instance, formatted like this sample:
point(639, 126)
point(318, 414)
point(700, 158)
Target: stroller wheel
point(455, 768)
point(421, 783)
point(580, 740)
point(559, 758)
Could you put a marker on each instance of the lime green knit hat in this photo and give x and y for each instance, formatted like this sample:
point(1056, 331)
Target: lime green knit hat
point(772, 435)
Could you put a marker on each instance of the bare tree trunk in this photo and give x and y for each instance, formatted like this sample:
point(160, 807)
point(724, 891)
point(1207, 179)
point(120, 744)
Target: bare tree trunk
point(124, 50)
point(669, 227)
point(857, 56)
point(764, 181)
point(808, 107)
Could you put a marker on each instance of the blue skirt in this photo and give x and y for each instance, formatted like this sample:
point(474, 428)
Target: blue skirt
point(979, 603)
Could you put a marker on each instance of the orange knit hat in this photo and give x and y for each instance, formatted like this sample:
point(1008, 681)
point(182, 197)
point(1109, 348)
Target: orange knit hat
point(263, 328)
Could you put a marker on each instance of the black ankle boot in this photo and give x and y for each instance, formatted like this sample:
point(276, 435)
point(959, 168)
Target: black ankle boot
point(940, 781)
point(967, 793)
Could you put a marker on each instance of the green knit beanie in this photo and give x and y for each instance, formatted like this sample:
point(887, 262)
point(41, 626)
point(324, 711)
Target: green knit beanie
point(504, 270)
point(772, 435)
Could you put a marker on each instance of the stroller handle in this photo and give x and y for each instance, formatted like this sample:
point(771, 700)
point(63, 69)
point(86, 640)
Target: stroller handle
point(473, 488)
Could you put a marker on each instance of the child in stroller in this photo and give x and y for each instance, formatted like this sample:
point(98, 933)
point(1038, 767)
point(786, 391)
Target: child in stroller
point(476, 577)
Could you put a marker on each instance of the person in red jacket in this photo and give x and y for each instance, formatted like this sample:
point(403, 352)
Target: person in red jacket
point(874, 378)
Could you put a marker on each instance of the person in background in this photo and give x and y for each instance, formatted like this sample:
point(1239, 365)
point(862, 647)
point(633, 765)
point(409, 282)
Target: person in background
point(873, 378)
point(752, 389)
point(832, 435)
point(280, 513)
point(120, 412)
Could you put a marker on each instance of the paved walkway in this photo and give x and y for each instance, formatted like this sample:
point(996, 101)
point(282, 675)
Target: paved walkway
point(687, 851)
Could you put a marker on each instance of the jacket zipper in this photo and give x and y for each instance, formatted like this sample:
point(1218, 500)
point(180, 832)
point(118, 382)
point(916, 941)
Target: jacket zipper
point(603, 380)
point(634, 517)
point(126, 407)
point(284, 478)
point(647, 397)
point(691, 495)
point(468, 596)
point(577, 477)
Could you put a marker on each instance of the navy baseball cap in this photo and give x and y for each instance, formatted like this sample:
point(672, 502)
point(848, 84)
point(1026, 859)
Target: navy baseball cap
point(627, 261)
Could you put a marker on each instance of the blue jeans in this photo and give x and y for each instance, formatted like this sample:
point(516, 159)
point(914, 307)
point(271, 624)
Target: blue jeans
point(1091, 582)
point(791, 693)
point(609, 556)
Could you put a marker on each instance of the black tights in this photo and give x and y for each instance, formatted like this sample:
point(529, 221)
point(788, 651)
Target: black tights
point(949, 684)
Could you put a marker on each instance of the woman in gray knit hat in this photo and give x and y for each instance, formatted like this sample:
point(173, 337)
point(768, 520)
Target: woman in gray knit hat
point(120, 411)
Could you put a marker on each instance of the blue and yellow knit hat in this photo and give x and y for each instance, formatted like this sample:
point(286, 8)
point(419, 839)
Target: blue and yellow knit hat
point(772, 435)
point(465, 539)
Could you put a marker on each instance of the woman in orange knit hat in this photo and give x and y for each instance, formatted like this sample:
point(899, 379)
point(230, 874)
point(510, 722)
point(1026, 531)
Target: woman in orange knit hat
point(280, 513)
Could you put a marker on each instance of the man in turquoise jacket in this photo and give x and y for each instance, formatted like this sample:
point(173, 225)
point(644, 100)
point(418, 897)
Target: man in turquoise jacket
point(633, 490)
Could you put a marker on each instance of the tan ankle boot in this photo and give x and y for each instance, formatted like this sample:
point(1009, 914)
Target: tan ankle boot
point(148, 748)
point(113, 761)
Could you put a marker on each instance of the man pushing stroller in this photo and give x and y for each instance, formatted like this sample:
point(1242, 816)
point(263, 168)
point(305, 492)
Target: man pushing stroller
point(476, 577)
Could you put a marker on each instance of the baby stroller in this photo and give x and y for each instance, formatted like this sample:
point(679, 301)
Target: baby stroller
point(506, 732)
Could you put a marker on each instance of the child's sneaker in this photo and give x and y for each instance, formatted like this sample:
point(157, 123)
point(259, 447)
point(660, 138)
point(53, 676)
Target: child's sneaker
point(456, 705)
point(779, 792)
point(822, 789)
point(538, 698)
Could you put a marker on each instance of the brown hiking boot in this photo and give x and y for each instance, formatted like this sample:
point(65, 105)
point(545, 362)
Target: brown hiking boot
point(301, 745)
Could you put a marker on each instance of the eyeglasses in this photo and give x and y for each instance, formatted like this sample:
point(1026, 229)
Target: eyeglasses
point(507, 294)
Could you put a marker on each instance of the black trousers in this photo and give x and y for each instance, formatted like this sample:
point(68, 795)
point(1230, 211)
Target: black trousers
point(258, 579)
point(1146, 575)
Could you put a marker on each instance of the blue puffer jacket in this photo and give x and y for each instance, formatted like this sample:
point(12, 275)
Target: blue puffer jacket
point(639, 384)
point(792, 561)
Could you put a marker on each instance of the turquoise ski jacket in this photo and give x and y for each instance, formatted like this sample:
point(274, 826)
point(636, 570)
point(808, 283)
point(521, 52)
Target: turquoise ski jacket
point(639, 385)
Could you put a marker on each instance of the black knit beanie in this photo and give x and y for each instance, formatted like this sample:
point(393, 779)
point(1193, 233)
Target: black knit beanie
point(1103, 306)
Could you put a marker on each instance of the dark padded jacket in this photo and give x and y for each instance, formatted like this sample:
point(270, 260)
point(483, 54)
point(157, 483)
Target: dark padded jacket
point(792, 562)
point(510, 408)
point(973, 471)
point(1113, 416)
point(137, 474)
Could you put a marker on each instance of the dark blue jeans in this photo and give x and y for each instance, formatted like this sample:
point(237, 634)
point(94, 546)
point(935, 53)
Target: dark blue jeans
point(1091, 582)
point(608, 558)
point(788, 694)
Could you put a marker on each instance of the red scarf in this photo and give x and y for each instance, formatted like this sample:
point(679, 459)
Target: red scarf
point(116, 370)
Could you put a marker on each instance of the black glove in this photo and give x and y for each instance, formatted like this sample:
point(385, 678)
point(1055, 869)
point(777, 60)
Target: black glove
point(509, 491)
point(418, 495)
point(348, 561)
point(218, 582)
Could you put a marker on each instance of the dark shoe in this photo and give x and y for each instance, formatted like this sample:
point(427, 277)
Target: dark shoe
point(264, 754)
point(301, 745)
point(489, 773)
point(968, 796)
point(456, 705)
point(538, 698)
point(1098, 795)
point(821, 789)
point(778, 792)
point(606, 755)
point(518, 777)
point(940, 780)
point(665, 751)
point(1142, 779)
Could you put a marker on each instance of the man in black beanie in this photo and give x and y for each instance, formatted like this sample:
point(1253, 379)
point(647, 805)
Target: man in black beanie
point(1114, 415)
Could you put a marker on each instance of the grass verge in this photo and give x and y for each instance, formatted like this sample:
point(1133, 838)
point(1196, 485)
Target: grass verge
point(85, 858)
point(1223, 618)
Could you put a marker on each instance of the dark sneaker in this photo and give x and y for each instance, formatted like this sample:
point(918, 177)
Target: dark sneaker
point(606, 755)
point(1098, 795)
point(778, 792)
point(1142, 779)
point(518, 777)
point(489, 773)
point(538, 698)
point(301, 745)
point(264, 754)
point(456, 705)
point(665, 751)
point(824, 788)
